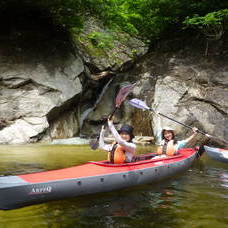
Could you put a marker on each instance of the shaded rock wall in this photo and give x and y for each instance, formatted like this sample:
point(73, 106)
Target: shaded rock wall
point(29, 93)
point(190, 93)
point(186, 87)
point(48, 85)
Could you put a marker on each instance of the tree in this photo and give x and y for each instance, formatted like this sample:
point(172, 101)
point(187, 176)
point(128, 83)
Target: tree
point(212, 25)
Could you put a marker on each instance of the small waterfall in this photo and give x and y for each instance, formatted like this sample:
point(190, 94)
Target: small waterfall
point(89, 110)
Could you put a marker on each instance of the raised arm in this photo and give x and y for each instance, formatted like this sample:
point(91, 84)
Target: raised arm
point(130, 146)
point(102, 145)
point(194, 129)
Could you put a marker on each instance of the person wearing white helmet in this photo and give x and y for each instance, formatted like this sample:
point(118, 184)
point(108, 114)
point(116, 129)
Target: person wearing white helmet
point(169, 145)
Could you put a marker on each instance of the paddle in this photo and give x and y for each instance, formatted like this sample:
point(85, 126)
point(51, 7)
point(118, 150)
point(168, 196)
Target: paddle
point(142, 105)
point(121, 96)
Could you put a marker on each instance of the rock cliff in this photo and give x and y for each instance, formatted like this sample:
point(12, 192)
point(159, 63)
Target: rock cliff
point(57, 86)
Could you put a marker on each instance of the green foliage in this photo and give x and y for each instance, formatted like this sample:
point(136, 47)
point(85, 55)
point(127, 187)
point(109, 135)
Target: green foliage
point(210, 19)
point(160, 18)
point(115, 13)
point(148, 19)
point(101, 40)
point(213, 24)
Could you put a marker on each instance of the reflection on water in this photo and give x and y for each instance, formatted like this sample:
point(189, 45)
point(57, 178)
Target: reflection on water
point(224, 178)
point(197, 198)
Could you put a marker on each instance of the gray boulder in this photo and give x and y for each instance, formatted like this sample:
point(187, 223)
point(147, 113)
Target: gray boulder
point(30, 92)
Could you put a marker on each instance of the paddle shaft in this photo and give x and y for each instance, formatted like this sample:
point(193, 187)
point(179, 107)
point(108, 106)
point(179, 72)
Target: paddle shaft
point(142, 105)
point(201, 132)
point(111, 114)
point(185, 125)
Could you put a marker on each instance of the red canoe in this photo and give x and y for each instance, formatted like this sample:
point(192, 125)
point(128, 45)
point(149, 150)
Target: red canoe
point(89, 178)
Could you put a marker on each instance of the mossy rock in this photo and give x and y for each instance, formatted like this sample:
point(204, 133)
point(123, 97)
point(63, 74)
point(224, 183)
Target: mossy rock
point(106, 48)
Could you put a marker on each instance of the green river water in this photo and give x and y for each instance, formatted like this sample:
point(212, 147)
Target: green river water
point(196, 198)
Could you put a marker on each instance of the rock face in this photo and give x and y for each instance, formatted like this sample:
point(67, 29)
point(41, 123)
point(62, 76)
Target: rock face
point(30, 92)
point(34, 100)
point(50, 89)
point(192, 90)
point(104, 49)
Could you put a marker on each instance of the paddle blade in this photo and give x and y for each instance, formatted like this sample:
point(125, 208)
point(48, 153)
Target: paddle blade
point(94, 143)
point(138, 104)
point(122, 94)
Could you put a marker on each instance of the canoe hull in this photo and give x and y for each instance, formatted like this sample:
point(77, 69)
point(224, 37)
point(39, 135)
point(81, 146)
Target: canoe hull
point(19, 191)
point(217, 154)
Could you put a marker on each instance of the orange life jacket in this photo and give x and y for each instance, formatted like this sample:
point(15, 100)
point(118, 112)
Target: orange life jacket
point(117, 156)
point(170, 149)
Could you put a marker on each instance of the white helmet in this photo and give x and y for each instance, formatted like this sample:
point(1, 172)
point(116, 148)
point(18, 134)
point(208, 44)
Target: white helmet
point(167, 129)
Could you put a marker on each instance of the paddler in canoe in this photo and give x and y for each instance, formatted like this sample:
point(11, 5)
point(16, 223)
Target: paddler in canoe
point(123, 150)
point(168, 143)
